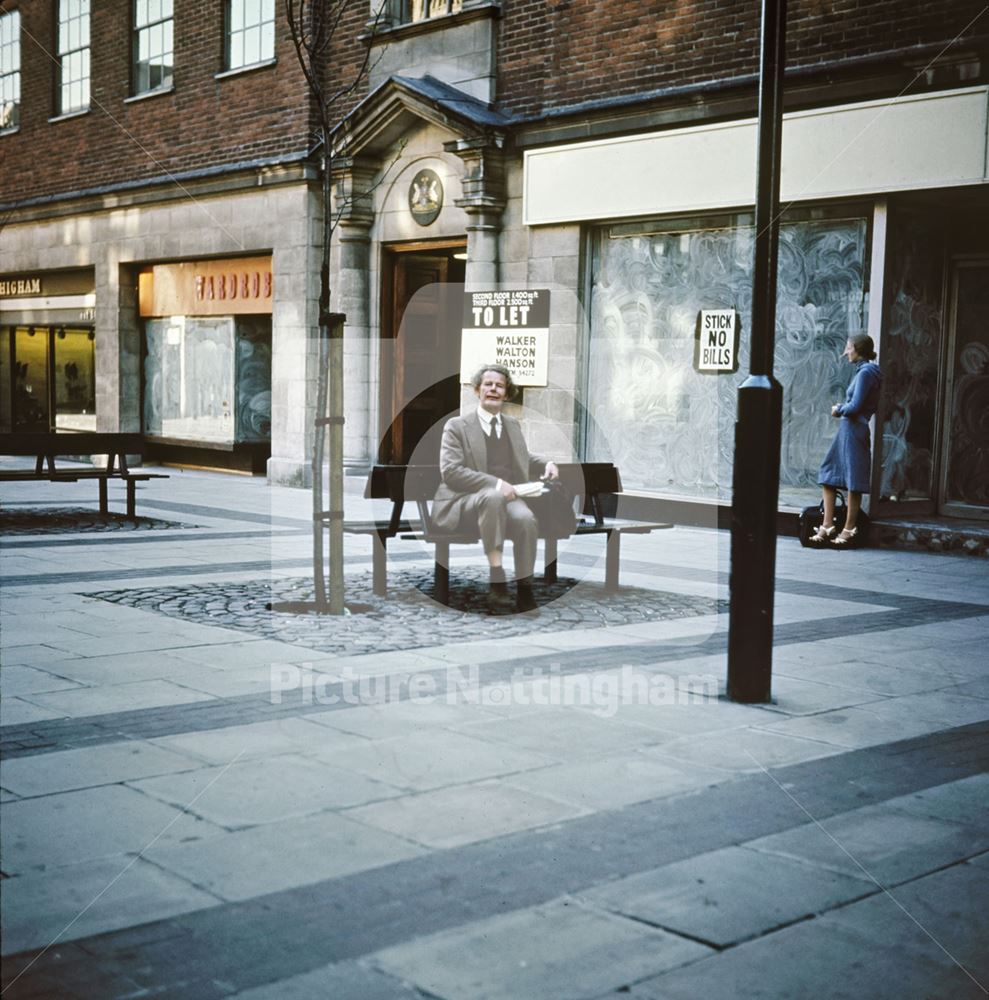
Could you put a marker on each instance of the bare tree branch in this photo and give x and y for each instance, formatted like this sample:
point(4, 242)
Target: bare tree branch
point(315, 26)
point(365, 63)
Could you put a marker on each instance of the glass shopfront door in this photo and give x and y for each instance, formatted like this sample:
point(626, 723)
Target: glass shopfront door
point(965, 480)
point(47, 378)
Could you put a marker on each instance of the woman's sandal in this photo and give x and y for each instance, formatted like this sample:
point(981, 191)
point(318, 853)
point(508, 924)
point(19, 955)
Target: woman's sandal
point(845, 538)
point(823, 535)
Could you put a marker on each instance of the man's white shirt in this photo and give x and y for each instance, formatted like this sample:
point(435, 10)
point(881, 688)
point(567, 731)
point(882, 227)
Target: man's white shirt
point(488, 421)
point(488, 424)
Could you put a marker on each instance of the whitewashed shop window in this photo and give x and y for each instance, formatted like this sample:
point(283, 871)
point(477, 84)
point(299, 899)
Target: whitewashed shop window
point(669, 428)
point(72, 91)
point(250, 33)
point(153, 45)
point(208, 379)
point(10, 70)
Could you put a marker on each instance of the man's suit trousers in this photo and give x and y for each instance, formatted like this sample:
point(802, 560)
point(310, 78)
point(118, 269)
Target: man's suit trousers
point(498, 519)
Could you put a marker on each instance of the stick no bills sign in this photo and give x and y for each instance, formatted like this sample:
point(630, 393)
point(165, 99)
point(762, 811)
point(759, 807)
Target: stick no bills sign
point(507, 328)
point(716, 341)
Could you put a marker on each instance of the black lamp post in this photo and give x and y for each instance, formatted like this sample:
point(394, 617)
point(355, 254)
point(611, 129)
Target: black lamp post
point(755, 482)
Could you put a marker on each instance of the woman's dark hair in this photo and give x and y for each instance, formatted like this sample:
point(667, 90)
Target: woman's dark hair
point(510, 386)
point(864, 347)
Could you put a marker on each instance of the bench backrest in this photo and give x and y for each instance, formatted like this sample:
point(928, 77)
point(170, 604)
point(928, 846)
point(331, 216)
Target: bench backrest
point(418, 483)
point(70, 443)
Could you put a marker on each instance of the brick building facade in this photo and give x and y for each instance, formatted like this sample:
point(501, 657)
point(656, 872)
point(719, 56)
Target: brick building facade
point(601, 152)
point(126, 137)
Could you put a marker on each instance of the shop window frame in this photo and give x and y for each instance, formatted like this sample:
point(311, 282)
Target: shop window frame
point(403, 12)
point(50, 333)
point(688, 222)
point(67, 14)
point(145, 27)
point(395, 19)
point(10, 73)
point(265, 58)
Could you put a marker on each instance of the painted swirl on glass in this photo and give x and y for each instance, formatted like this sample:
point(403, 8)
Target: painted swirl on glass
point(913, 337)
point(968, 452)
point(253, 382)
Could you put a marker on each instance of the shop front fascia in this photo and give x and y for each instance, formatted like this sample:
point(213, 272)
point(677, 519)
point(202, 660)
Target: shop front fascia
point(665, 221)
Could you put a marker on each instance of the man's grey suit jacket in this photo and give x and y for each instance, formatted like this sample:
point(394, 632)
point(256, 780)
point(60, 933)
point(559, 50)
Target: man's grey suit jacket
point(463, 459)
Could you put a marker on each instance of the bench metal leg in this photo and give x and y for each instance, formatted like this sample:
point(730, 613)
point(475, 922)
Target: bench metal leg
point(441, 573)
point(612, 560)
point(104, 501)
point(131, 501)
point(549, 575)
point(379, 562)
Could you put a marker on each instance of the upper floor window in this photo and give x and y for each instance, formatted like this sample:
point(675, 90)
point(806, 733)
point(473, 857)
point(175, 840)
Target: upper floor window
point(410, 11)
point(73, 56)
point(152, 45)
point(10, 70)
point(250, 32)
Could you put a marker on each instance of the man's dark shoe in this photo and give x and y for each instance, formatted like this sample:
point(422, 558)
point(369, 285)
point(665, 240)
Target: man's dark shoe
point(525, 600)
point(499, 600)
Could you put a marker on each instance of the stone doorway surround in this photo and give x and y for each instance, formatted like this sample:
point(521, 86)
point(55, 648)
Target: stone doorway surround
point(403, 126)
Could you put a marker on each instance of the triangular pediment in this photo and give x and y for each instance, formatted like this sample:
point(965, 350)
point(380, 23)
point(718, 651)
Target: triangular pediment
point(401, 104)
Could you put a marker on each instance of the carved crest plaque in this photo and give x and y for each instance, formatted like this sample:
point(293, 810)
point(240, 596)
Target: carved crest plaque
point(425, 197)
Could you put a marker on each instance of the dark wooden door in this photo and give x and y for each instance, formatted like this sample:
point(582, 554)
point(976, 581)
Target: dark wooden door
point(421, 358)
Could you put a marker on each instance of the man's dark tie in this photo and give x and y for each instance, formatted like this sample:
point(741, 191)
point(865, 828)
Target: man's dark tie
point(496, 426)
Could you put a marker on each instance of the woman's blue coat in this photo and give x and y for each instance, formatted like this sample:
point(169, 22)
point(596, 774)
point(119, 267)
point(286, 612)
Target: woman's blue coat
point(847, 465)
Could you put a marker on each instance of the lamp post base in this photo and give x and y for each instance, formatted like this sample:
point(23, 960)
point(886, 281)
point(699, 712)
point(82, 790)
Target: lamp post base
point(755, 496)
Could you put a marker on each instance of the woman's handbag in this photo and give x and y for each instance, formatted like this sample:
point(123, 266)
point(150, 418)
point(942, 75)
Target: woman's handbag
point(554, 510)
point(811, 518)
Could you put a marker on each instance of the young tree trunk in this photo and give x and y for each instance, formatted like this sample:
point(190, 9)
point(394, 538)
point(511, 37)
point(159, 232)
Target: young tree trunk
point(313, 25)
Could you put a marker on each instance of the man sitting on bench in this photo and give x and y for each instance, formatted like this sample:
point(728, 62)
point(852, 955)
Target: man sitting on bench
point(482, 454)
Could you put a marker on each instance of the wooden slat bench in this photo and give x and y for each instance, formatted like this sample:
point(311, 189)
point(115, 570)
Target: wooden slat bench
point(593, 482)
point(46, 447)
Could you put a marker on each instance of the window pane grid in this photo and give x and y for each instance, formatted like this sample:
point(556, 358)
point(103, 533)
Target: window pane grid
point(420, 10)
point(10, 70)
point(153, 50)
point(250, 32)
point(73, 55)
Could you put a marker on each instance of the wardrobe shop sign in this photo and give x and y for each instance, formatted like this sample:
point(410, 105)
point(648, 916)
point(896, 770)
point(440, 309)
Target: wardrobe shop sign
point(232, 287)
point(509, 328)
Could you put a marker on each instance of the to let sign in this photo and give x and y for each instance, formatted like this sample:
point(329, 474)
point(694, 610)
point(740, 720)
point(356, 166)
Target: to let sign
point(508, 328)
point(716, 341)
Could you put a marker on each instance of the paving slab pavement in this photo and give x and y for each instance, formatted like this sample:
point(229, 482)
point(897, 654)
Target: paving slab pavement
point(483, 816)
point(505, 957)
point(729, 896)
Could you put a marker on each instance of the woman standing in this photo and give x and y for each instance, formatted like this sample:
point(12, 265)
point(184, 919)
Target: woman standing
point(847, 463)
